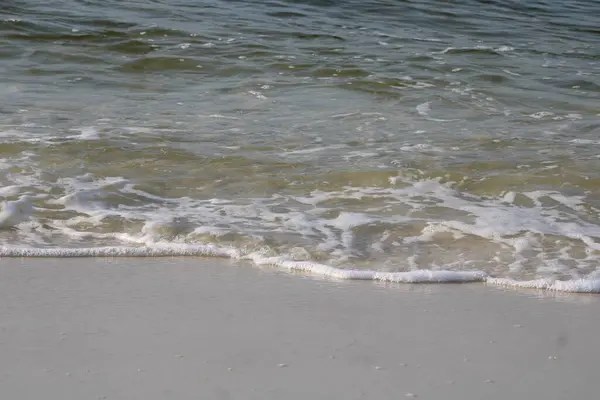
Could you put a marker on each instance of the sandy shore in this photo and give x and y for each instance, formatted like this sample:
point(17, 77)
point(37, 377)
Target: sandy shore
point(212, 329)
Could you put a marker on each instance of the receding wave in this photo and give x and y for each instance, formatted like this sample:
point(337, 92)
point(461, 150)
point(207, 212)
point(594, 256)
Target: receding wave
point(410, 231)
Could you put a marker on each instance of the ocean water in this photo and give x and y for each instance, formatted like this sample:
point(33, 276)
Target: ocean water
point(408, 141)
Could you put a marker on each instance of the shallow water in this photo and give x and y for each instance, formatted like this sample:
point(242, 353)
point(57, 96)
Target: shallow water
point(386, 136)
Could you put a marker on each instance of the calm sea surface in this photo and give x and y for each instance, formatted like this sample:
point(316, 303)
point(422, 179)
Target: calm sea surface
point(385, 135)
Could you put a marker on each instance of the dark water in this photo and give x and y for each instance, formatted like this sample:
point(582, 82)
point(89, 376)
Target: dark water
point(388, 135)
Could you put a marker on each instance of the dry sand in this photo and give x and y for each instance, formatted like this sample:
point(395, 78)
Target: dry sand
point(211, 329)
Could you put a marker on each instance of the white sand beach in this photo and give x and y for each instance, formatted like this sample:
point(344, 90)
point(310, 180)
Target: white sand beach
point(198, 328)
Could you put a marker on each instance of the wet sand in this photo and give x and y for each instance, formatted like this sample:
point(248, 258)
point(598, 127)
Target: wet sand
point(198, 328)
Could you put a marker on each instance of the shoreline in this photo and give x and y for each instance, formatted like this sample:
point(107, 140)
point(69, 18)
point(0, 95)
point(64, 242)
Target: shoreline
point(196, 328)
point(210, 252)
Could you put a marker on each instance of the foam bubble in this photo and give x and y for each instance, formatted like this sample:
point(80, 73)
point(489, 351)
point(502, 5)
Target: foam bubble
point(15, 212)
point(11, 190)
point(424, 109)
point(86, 133)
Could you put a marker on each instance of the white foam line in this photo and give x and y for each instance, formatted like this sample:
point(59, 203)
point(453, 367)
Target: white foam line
point(208, 250)
point(117, 251)
point(572, 286)
point(420, 276)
